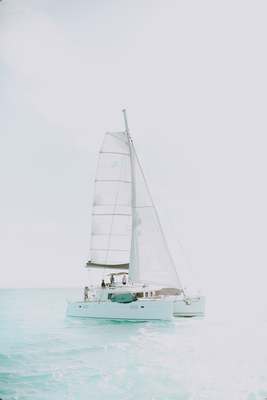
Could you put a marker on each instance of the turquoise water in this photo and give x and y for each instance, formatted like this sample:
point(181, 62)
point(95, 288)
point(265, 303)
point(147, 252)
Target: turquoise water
point(44, 355)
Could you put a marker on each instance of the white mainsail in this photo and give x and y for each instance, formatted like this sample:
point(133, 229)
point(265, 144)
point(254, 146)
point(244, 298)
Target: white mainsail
point(112, 212)
point(126, 231)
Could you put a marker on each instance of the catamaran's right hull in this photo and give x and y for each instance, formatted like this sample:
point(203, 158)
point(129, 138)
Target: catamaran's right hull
point(191, 307)
point(140, 310)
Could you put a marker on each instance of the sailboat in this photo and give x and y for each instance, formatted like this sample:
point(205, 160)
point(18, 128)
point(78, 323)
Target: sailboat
point(128, 242)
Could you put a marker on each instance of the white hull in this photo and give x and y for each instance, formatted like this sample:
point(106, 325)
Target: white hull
point(193, 307)
point(140, 310)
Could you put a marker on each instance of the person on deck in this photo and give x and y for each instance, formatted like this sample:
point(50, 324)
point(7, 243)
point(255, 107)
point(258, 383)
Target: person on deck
point(103, 285)
point(86, 290)
point(124, 280)
point(112, 280)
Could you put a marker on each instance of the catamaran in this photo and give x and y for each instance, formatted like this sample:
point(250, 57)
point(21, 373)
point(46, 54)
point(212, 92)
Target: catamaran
point(127, 238)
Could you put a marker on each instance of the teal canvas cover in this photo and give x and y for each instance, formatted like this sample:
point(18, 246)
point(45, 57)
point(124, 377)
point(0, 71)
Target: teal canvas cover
point(123, 298)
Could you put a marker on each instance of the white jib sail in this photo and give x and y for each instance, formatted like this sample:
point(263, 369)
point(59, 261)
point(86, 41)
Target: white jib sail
point(151, 261)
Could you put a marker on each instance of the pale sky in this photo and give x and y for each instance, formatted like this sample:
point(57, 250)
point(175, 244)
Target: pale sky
point(192, 75)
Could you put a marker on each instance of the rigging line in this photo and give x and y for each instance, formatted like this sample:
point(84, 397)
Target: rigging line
point(187, 259)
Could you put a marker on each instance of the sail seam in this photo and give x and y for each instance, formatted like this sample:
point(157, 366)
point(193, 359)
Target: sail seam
point(115, 133)
point(111, 180)
point(108, 250)
point(111, 214)
point(110, 205)
point(107, 234)
point(143, 207)
point(114, 152)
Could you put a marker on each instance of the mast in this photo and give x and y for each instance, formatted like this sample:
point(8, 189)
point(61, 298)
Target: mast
point(133, 265)
point(126, 123)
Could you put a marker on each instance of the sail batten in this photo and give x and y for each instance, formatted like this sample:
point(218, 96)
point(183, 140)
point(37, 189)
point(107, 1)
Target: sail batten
point(111, 180)
point(108, 250)
point(118, 215)
point(106, 234)
point(109, 205)
point(114, 152)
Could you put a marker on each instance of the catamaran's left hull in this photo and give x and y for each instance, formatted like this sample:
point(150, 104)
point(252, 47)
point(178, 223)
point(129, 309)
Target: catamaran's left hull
point(140, 310)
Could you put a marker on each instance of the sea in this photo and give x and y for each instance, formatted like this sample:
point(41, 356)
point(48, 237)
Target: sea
point(45, 355)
